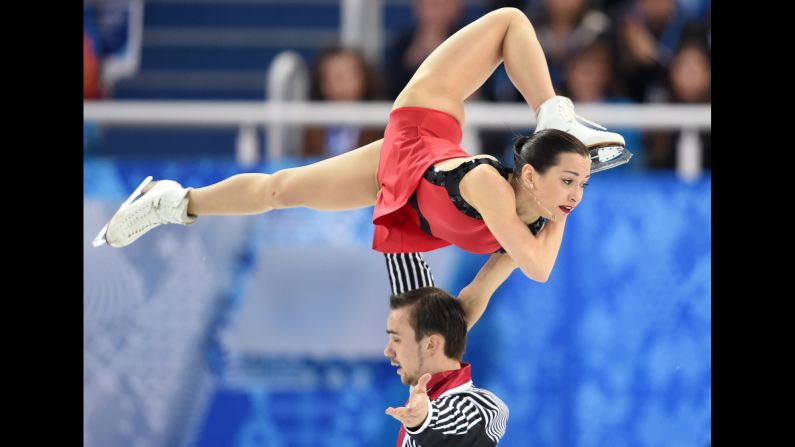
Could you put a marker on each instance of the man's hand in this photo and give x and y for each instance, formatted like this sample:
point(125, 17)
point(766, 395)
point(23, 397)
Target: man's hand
point(416, 410)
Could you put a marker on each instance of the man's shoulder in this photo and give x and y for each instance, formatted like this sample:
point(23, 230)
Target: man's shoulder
point(480, 396)
point(486, 394)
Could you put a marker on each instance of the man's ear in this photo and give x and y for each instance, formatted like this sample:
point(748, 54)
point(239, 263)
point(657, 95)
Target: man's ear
point(433, 343)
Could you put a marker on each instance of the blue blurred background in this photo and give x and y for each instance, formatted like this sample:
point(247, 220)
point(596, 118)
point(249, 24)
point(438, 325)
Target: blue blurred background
point(269, 330)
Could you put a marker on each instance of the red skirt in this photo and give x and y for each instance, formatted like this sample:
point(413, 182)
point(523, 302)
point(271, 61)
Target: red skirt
point(415, 139)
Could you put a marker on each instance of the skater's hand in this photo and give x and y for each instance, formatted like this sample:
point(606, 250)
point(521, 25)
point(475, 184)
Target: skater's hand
point(416, 410)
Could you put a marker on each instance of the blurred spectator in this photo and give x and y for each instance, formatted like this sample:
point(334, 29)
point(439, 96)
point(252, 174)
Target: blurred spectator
point(91, 72)
point(114, 29)
point(563, 27)
point(340, 74)
point(695, 9)
point(690, 74)
point(646, 34)
point(92, 89)
point(588, 78)
point(689, 80)
point(436, 20)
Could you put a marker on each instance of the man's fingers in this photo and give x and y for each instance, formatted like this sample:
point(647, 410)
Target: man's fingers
point(422, 383)
point(397, 412)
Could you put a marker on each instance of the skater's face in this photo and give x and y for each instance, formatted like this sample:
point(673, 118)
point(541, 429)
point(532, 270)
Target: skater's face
point(560, 189)
point(403, 350)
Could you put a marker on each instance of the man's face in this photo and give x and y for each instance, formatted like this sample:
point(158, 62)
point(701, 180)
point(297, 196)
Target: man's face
point(403, 350)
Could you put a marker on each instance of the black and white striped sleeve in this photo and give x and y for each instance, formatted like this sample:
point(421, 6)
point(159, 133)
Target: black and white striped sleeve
point(407, 272)
point(475, 417)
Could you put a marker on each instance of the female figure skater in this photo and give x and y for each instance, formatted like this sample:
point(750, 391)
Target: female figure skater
point(428, 193)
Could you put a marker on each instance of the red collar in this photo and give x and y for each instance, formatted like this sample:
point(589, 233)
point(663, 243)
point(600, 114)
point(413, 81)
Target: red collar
point(445, 380)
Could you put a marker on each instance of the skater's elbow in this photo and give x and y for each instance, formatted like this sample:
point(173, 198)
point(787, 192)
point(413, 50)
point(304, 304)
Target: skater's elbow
point(536, 273)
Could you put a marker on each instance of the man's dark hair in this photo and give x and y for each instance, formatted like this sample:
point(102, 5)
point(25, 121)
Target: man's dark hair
point(434, 311)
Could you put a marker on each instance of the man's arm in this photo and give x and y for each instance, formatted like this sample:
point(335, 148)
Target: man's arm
point(472, 418)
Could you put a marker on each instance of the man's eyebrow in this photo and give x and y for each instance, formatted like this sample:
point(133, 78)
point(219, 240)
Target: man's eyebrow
point(391, 332)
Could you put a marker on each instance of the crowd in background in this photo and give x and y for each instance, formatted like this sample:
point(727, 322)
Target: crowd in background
point(598, 51)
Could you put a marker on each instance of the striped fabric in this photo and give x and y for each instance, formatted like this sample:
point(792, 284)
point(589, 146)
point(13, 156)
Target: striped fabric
point(407, 271)
point(462, 416)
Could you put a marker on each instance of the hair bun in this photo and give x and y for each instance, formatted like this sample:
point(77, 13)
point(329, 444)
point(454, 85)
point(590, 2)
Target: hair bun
point(519, 143)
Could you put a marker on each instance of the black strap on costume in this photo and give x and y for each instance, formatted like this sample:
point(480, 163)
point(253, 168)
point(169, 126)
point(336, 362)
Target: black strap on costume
point(424, 225)
point(451, 179)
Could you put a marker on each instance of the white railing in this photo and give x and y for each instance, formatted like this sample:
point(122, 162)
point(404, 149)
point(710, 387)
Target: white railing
point(362, 27)
point(478, 115)
point(287, 80)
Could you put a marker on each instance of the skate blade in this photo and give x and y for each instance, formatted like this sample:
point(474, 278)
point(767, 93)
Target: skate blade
point(609, 157)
